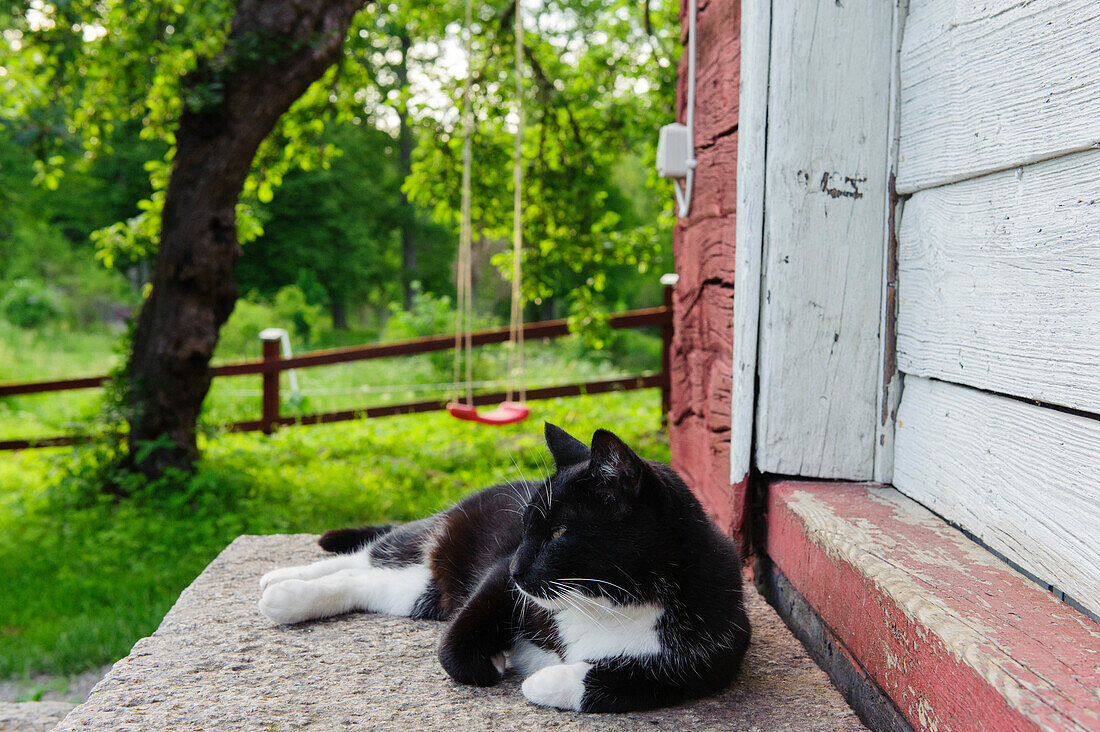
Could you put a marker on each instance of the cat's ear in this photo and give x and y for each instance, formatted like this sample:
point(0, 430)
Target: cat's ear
point(615, 464)
point(564, 448)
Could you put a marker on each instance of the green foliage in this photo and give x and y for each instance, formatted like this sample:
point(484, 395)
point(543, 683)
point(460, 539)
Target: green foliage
point(31, 304)
point(240, 336)
point(429, 315)
point(291, 306)
point(44, 230)
point(335, 231)
point(600, 80)
point(86, 575)
point(600, 84)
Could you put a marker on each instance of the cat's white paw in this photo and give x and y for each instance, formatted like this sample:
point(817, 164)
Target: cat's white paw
point(561, 686)
point(288, 601)
point(282, 574)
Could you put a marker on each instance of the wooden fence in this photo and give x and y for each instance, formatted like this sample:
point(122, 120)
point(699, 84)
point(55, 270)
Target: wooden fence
point(272, 364)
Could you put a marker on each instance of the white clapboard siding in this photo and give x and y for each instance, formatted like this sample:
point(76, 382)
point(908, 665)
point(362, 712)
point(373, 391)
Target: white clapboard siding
point(825, 213)
point(987, 85)
point(999, 282)
point(1023, 479)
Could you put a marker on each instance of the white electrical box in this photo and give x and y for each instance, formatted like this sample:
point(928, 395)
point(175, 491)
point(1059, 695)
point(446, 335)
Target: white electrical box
point(674, 153)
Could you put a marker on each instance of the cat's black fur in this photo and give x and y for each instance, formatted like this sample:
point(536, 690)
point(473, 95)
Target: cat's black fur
point(611, 526)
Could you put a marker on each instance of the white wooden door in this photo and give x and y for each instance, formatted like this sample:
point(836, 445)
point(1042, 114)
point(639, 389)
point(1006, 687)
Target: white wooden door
point(826, 172)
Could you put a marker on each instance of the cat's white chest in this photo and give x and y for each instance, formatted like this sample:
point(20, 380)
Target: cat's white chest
point(601, 629)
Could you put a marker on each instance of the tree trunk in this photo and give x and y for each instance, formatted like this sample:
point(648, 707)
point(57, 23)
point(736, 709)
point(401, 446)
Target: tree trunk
point(276, 49)
point(408, 220)
point(339, 315)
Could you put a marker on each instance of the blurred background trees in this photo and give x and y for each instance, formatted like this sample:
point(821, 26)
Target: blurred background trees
point(90, 94)
point(350, 206)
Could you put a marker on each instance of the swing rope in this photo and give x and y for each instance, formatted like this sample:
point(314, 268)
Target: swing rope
point(463, 278)
point(515, 356)
point(510, 411)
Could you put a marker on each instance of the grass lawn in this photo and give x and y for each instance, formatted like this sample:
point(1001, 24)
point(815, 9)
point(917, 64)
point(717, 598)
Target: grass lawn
point(51, 353)
point(58, 353)
point(84, 577)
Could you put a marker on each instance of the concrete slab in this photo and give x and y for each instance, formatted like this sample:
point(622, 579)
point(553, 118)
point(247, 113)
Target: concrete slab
point(215, 663)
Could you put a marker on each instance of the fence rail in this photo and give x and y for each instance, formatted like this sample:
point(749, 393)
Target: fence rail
point(273, 363)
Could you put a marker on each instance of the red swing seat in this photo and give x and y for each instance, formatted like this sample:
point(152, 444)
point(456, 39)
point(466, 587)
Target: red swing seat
point(506, 413)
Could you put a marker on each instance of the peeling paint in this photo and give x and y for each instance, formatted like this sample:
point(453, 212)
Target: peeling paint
point(922, 565)
point(927, 715)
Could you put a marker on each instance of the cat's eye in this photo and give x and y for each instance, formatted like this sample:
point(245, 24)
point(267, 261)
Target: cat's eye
point(557, 532)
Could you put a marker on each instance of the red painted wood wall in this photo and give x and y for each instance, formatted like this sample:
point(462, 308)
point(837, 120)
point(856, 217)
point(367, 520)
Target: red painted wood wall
point(702, 350)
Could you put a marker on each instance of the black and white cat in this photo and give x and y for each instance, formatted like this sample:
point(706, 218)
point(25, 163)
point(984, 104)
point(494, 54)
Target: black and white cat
point(606, 585)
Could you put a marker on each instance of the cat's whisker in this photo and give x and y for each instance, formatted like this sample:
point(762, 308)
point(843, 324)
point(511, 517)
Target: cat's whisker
point(545, 466)
point(577, 596)
point(520, 499)
point(523, 478)
point(527, 485)
point(549, 480)
point(619, 615)
point(570, 599)
point(625, 591)
point(514, 493)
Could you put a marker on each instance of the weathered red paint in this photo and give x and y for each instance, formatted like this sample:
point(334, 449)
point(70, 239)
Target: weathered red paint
point(1045, 656)
point(702, 349)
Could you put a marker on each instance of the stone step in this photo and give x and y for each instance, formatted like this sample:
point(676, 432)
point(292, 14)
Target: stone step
point(215, 663)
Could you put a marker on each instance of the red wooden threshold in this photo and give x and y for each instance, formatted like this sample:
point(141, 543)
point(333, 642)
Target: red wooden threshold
point(953, 635)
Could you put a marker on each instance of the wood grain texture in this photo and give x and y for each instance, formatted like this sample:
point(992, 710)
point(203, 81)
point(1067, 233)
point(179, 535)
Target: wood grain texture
point(751, 147)
point(1021, 478)
point(825, 204)
point(994, 84)
point(701, 348)
point(717, 70)
point(1000, 282)
point(715, 192)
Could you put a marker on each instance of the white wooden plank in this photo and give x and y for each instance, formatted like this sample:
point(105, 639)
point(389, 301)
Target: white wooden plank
point(751, 140)
point(825, 203)
point(999, 282)
point(992, 84)
point(1022, 478)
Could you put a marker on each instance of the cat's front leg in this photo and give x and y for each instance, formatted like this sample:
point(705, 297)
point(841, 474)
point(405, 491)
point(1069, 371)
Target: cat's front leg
point(609, 685)
point(472, 649)
point(560, 686)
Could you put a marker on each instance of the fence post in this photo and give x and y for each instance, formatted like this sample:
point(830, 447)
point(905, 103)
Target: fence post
point(270, 419)
point(668, 280)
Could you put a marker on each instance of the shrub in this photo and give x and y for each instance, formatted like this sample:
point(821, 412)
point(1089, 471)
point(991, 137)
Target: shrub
point(431, 315)
point(292, 306)
point(240, 336)
point(31, 303)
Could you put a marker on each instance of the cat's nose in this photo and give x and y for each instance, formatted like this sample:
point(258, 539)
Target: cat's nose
point(514, 568)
